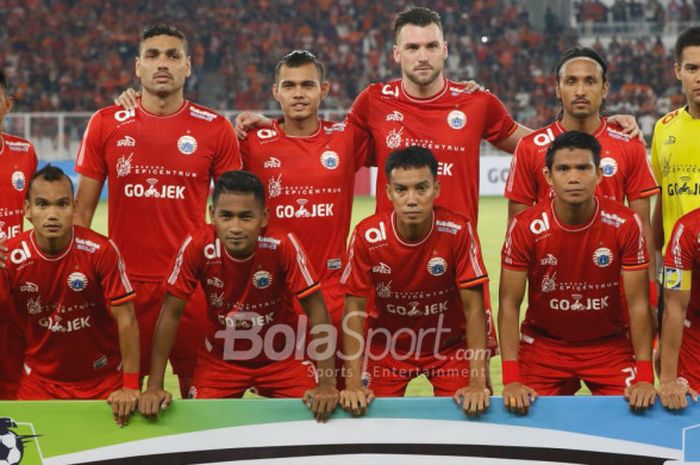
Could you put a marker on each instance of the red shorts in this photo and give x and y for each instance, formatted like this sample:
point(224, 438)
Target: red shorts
point(689, 358)
point(35, 387)
point(388, 377)
point(215, 378)
point(11, 358)
point(190, 333)
point(553, 368)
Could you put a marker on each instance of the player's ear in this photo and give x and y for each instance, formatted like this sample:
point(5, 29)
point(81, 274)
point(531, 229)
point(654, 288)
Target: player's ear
point(27, 210)
point(395, 51)
point(677, 70)
point(275, 92)
point(606, 86)
point(189, 66)
point(547, 175)
point(265, 216)
point(9, 103)
point(388, 191)
point(211, 213)
point(437, 188)
point(325, 88)
point(599, 175)
point(137, 67)
point(446, 50)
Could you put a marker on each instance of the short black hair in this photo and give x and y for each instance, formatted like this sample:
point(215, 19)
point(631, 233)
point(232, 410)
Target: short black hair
point(298, 58)
point(688, 38)
point(571, 140)
point(411, 157)
point(161, 29)
point(583, 52)
point(241, 182)
point(4, 83)
point(50, 173)
point(418, 16)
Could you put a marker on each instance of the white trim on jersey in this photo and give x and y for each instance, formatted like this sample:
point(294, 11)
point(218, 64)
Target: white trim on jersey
point(351, 253)
point(676, 247)
point(122, 269)
point(474, 252)
point(178, 261)
point(513, 166)
point(35, 246)
point(301, 260)
point(641, 245)
point(508, 245)
point(395, 230)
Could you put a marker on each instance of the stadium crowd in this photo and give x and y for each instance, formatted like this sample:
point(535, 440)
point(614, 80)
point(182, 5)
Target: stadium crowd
point(76, 56)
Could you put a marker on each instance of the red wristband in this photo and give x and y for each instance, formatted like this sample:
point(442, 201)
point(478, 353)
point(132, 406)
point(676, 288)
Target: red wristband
point(511, 371)
point(645, 372)
point(653, 294)
point(131, 381)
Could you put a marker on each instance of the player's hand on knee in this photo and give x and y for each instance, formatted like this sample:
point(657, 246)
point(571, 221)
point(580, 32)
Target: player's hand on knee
point(322, 401)
point(517, 397)
point(672, 394)
point(473, 86)
point(249, 120)
point(629, 126)
point(640, 395)
point(128, 99)
point(473, 399)
point(356, 401)
point(153, 400)
point(123, 402)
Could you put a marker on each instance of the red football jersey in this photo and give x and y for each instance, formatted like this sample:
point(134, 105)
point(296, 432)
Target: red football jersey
point(159, 171)
point(253, 294)
point(683, 254)
point(451, 124)
point(17, 165)
point(579, 301)
point(626, 169)
point(415, 285)
point(63, 300)
point(310, 182)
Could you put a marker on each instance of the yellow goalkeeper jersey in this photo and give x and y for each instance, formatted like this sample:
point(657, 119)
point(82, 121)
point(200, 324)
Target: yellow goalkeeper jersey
point(675, 160)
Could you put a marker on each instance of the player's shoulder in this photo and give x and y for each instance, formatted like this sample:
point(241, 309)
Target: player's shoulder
point(534, 219)
point(266, 135)
point(385, 89)
point(458, 91)
point(275, 237)
point(200, 112)
point(541, 138)
point(89, 241)
point(201, 236)
point(690, 220)
point(17, 144)
point(669, 120)
point(329, 128)
point(16, 241)
point(614, 213)
point(615, 132)
point(450, 222)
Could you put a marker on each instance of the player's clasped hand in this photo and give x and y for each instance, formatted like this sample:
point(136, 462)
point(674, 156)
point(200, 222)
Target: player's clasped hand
point(672, 394)
point(640, 395)
point(517, 397)
point(249, 120)
point(123, 402)
point(474, 400)
point(154, 400)
point(322, 401)
point(356, 401)
point(128, 99)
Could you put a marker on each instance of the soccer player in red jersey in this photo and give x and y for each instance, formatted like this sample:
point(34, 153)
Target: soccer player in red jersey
point(250, 273)
point(309, 166)
point(71, 293)
point(582, 84)
point(17, 164)
point(159, 160)
point(421, 266)
point(573, 252)
point(680, 336)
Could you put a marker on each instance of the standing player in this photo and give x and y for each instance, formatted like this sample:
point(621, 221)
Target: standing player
point(421, 265)
point(17, 164)
point(251, 273)
point(680, 333)
point(159, 160)
point(570, 251)
point(69, 287)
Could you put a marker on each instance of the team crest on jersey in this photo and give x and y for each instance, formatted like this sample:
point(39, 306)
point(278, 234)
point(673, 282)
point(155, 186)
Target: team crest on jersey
point(456, 119)
point(609, 166)
point(393, 139)
point(124, 165)
point(437, 266)
point(77, 281)
point(394, 116)
point(602, 257)
point(330, 160)
point(262, 279)
point(187, 145)
point(272, 162)
point(18, 180)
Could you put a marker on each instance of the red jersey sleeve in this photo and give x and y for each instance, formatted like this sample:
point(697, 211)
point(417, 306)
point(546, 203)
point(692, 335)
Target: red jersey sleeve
point(185, 270)
point(362, 147)
point(640, 179)
point(228, 156)
point(499, 124)
point(356, 276)
point(300, 275)
point(112, 272)
point(682, 247)
point(470, 264)
point(244, 147)
point(90, 160)
point(358, 115)
point(633, 247)
point(517, 249)
point(521, 185)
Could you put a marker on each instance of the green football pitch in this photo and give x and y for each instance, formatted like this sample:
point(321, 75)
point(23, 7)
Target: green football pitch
point(492, 224)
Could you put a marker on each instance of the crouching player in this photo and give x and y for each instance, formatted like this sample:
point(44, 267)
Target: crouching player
point(421, 268)
point(680, 333)
point(574, 251)
point(69, 286)
point(250, 274)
